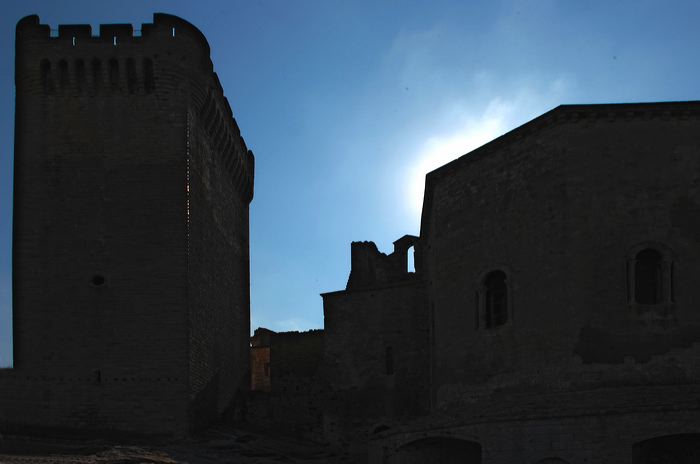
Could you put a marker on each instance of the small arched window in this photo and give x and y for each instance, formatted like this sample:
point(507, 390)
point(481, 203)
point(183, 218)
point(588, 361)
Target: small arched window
point(492, 301)
point(648, 277)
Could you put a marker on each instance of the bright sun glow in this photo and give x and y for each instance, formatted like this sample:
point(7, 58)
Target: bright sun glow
point(472, 133)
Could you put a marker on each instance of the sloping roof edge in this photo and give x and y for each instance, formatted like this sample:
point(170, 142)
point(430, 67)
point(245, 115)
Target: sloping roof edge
point(561, 113)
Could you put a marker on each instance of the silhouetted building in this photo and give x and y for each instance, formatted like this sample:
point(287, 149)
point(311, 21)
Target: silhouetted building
point(376, 357)
point(554, 299)
point(130, 248)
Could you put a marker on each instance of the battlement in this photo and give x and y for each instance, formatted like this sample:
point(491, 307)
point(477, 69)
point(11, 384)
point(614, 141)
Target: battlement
point(158, 61)
point(71, 60)
point(163, 26)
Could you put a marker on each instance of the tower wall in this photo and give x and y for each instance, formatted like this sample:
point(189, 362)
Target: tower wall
point(111, 328)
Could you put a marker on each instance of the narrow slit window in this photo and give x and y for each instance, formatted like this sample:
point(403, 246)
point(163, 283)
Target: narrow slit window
point(63, 75)
point(648, 276)
point(46, 78)
point(495, 300)
point(389, 360)
point(80, 75)
point(114, 74)
point(131, 79)
point(96, 73)
point(148, 79)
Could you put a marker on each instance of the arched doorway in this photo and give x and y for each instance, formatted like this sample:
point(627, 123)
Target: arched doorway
point(682, 448)
point(438, 450)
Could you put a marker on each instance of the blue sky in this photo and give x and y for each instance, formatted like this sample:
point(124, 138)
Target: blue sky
point(347, 104)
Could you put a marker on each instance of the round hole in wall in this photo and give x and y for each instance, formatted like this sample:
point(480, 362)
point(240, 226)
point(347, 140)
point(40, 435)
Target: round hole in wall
point(98, 280)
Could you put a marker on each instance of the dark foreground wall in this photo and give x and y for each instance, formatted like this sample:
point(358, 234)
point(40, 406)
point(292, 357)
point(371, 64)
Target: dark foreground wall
point(130, 193)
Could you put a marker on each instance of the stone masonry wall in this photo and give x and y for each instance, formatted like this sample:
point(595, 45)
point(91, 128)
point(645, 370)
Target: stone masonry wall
point(287, 395)
point(102, 232)
point(219, 189)
point(375, 359)
point(560, 211)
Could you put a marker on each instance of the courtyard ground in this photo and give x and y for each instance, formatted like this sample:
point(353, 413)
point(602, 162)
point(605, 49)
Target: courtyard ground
point(220, 444)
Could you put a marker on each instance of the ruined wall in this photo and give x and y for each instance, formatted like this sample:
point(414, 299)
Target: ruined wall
point(260, 368)
point(102, 251)
point(286, 382)
point(376, 357)
point(295, 360)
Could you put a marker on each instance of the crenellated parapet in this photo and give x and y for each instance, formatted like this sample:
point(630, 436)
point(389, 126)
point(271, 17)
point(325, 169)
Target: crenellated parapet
point(217, 121)
point(164, 26)
point(119, 55)
point(167, 61)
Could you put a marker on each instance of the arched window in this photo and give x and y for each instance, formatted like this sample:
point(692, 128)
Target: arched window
point(492, 300)
point(648, 277)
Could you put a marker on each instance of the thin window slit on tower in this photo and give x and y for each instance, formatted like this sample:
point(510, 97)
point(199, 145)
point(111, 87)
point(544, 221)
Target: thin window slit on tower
point(46, 80)
point(131, 80)
point(173, 31)
point(96, 73)
point(80, 75)
point(148, 79)
point(74, 41)
point(114, 74)
point(63, 75)
point(114, 40)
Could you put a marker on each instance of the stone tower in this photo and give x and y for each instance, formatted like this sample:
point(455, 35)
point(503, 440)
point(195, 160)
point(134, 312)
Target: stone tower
point(130, 251)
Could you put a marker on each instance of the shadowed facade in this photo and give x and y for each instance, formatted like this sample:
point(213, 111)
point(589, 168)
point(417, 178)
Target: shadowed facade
point(130, 246)
point(554, 301)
